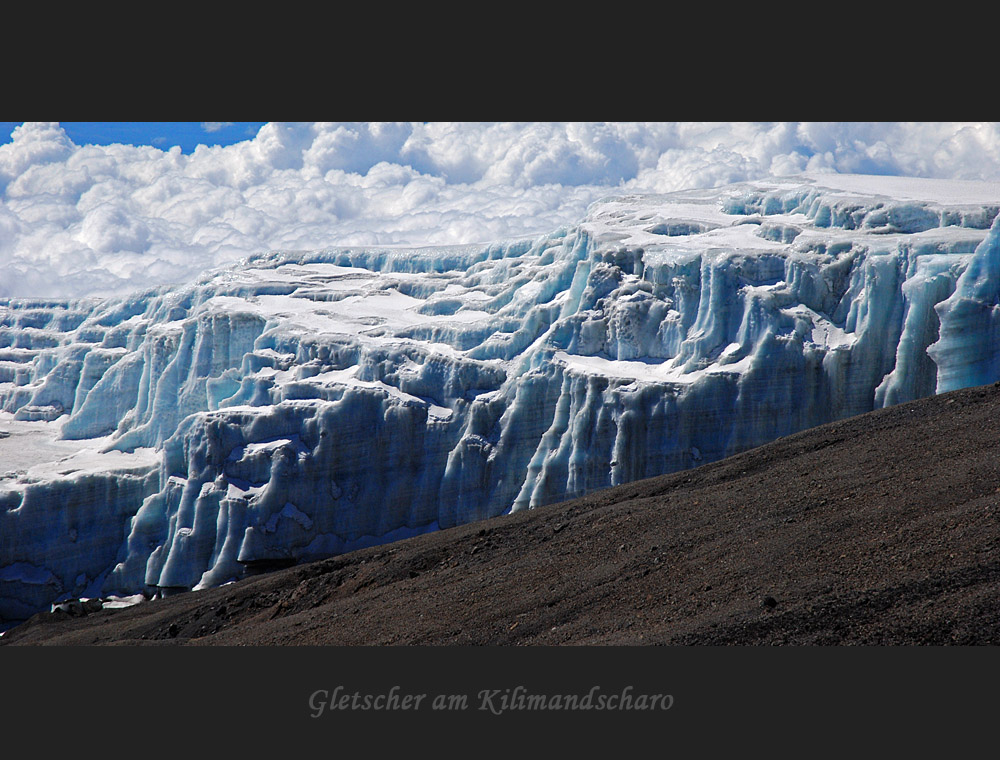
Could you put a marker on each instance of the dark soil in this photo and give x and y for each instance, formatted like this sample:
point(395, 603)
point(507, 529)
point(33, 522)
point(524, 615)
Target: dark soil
point(881, 529)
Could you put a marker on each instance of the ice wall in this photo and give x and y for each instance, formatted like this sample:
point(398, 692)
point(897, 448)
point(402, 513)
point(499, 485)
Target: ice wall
point(305, 404)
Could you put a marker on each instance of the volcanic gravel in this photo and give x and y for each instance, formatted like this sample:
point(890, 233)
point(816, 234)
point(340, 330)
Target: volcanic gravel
point(880, 529)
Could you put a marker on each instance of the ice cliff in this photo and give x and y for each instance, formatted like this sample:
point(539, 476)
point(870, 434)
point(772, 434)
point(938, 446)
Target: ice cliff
point(303, 404)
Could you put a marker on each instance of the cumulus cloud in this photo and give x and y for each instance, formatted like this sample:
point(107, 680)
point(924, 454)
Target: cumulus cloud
point(102, 220)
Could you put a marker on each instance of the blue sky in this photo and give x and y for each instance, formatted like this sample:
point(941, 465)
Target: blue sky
point(161, 134)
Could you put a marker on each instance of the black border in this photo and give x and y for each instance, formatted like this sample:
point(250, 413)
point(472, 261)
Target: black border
point(860, 700)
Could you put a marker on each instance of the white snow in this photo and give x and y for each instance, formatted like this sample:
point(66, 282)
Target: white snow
point(646, 372)
point(121, 602)
point(937, 190)
point(32, 452)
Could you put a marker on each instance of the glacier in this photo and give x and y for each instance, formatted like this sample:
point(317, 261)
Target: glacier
point(302, 404)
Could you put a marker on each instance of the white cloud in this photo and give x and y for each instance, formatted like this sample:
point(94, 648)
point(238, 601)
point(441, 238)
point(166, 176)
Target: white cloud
point(215, 126)
point(104, 219)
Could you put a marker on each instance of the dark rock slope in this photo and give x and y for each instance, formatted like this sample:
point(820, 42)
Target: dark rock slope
point(879, 529)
